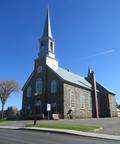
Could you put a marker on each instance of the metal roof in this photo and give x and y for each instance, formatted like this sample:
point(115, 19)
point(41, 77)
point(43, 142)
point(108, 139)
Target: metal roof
point(73, 78)
point(102, 88)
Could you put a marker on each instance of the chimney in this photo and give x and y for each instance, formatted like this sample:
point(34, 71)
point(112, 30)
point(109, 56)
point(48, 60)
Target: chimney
point(95, 94)
point(68, 70)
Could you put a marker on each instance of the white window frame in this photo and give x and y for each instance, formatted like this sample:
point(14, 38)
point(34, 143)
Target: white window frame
point(89, 102)
point(82, 100)
point(72, 99)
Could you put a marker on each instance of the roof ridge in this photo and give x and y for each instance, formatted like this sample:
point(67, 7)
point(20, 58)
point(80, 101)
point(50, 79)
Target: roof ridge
point(75, 74)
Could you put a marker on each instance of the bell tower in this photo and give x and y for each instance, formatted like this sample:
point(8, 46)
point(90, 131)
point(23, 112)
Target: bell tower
point(47, 44)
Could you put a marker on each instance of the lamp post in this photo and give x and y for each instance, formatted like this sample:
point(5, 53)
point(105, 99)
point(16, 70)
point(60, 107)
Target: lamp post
point(35, 119)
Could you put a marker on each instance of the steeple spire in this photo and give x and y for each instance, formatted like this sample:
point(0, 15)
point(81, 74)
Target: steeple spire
point(47, 27)
point(47, 45)
point(47, 41)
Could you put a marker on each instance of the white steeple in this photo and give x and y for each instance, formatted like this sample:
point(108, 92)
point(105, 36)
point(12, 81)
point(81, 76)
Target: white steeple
point(47, 27)
point(47, 44)
point(47, 41)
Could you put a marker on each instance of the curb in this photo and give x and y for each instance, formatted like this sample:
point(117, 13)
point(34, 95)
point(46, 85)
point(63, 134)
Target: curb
point(77, 133)
point(96, 129)
point(70, 132)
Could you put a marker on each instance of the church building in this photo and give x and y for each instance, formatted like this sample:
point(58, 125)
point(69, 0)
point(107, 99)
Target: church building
point(66, 92)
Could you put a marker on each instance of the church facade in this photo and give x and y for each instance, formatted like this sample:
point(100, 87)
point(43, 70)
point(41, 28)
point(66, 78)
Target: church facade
point(66, 92)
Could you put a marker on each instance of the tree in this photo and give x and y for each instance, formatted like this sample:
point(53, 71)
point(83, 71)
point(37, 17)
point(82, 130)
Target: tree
point(118, 106)
point(6, 89)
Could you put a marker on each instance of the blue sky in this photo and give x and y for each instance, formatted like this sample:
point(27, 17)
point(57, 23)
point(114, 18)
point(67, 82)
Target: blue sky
point(87, 33)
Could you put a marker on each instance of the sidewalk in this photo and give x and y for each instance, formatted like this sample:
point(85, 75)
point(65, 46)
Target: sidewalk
point(63, 131)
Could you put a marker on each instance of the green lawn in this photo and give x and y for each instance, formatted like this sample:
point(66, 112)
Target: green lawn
point(5, 121)
point(84, 128)
point(2, 121)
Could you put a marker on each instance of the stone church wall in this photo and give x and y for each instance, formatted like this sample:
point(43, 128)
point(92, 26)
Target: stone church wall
point(112, 103)
point(56, 98)
point(78, 100)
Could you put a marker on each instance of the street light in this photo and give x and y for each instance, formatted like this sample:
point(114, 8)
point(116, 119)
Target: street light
point(35, 119)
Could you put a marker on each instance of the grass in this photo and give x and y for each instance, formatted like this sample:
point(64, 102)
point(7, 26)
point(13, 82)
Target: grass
point(2, 120)
point(84, 128)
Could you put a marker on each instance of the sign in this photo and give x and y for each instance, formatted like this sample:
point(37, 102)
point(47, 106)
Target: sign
point(48, 107)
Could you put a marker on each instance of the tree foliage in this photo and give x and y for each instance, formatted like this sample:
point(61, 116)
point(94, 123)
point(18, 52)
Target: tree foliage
point(118, 106)
point(6, 89)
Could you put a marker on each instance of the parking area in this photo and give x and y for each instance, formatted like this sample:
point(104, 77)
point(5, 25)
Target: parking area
point(109, 125)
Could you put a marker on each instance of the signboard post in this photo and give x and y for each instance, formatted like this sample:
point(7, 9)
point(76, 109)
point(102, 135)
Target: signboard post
point(48, 109)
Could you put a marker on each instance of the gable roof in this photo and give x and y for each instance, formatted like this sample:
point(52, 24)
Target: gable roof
point(102, 88)
point(72, 78)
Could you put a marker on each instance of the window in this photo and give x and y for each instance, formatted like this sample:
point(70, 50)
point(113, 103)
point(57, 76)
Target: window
point(53, 86)
point(72, 99)
point(29, 91)
point(82, 101)
point(89, 102)
point(51, 47)
point(38, 87)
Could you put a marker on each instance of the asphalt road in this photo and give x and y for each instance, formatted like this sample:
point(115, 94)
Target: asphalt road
point(33, 137)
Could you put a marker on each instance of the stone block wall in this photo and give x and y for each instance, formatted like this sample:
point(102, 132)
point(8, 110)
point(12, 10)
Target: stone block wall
point(112, 103)
point(78, 100)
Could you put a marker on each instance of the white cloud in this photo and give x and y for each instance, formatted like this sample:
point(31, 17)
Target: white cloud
point(100, 53)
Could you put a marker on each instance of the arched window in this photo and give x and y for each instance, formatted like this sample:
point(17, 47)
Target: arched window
point(53, 86)
point(89, 102)
point(38, 86)
point(72, 99)
point(29, 91)
point(82, 101)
